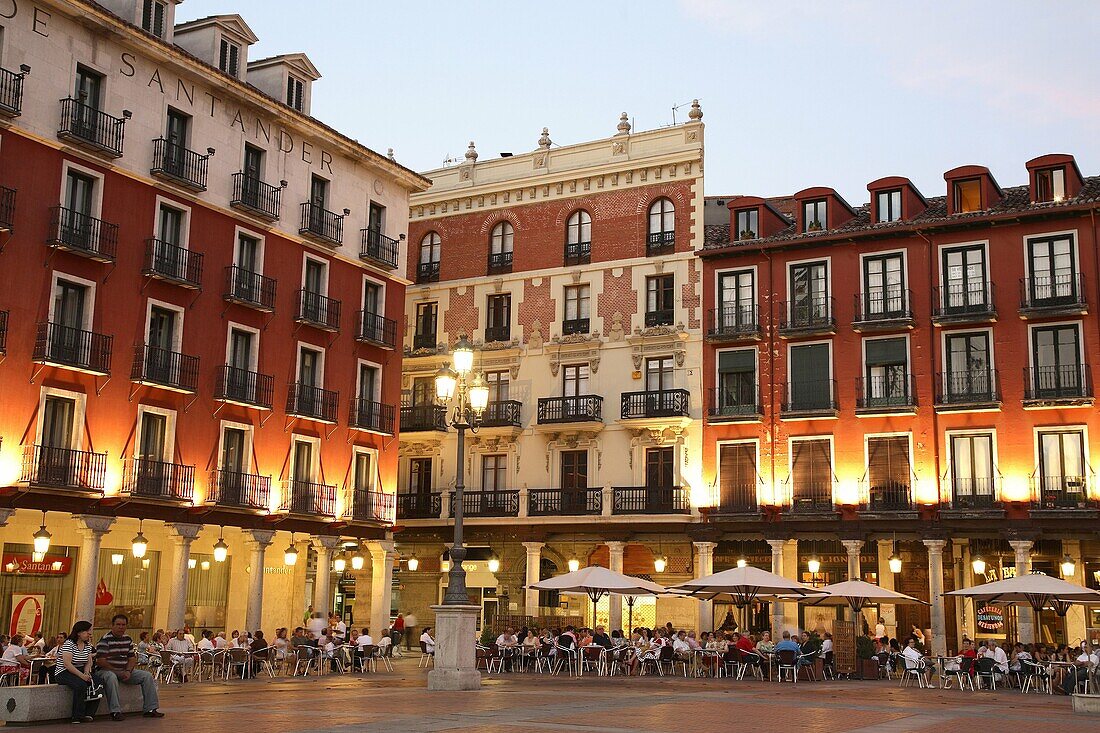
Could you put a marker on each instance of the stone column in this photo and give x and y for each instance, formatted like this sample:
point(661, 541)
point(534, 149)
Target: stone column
point(853, 547)
point(935, 595)
point(381, 585)
point(615, 551)
point(322, 583)
point(531, 576)
point(257, 540)
point(777, 568)
point(704, 565)
point(886, 580)
point(964, 620)
point(92, 527)
point(182, 535)
point(1025, 630)
point(1075, 618)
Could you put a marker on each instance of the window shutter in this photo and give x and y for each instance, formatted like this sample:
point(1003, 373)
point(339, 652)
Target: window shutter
point(885, 351)
point(810, 363)
point(742, 360)
point(888, 461)
point(737, 466)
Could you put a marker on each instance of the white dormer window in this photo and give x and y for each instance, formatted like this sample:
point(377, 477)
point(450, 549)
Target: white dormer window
point(295, 93)
point(229, 58)
point(153, 14)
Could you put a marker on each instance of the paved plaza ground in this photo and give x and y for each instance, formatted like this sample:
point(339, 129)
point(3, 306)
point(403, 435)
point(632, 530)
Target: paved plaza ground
point(398, 701)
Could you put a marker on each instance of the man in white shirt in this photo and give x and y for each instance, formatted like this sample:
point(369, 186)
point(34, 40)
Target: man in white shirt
point(205, 644)
point(427, 640)
point(182, 652)
point(316, 626)
point(364, 639)
point(220, 642)
point(339, 629)
point(915, 660)
point(680, 644)
point(827, 644)
point(880, 629)
point(507, 639)
point(997, 654)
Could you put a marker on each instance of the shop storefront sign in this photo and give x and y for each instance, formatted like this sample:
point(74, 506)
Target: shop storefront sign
point(27, 565)
point(991, 618)
point(26, 613)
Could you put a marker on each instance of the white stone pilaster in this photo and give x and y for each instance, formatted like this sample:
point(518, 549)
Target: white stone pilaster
point(615, 552)
point(257, 541)
point(322, 583)
point(182, 535)
point(382, 557)
point(531, 576)
point(704, 566)
point(1025, 630)
point(92, 528)
point(935, 595)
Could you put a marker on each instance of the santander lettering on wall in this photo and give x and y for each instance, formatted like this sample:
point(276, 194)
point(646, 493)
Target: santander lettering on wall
point(27, 565)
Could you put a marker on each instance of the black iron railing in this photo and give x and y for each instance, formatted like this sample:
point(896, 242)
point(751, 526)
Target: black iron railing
point(313, 403)
point(427, 272)
point(575, 325)
point(883, 304)
point(320, 224)
point(256, 197)
point(740, 401)
point(7, 209)
point(963, 301)
point(660, 243)
point(177, 163)
point(578, 253)
point(82, 234)
point(1060, 492)
point(64, 468)
point(739, 498)
point(503, 503)
point(890, 496)
point(361, 505)
point(661, 317)
point(427, 340)
point(318, 310)
point(249, 288)
point(810, 395)
point(656, 403)
point(971, 387)
point(66, 346)
point(1063, 289)
point(376, 247)
point(502, 414)
point(370, 415)
point(812, 497)
point(733, 321)
point(649, 500)
point(308, 498)
point(1063, 382)
point(583, 408)
point(807, 315)
point(423, 417)
point(421, 505)
point(169, 262)
point(87, 126)
point(564, 502)
point(377, 329)
point(11, 91)
point(154, 365)
point(973, 493)
point(498, 333)
point(151, 479)
point(886, 392)
point(238, 490)
point(244, 387)
point(500, 262)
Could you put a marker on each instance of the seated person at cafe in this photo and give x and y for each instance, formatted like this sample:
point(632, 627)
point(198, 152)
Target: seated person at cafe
point(300, 638)
point(116, 663)
point(680, 645)
point(787, 644)
point(205, 644)
point(1083, 663)
point(364, 639)
point(997, 654)
point(600, 638)
point(914, 659)
point(16, 659)
point(182, 652)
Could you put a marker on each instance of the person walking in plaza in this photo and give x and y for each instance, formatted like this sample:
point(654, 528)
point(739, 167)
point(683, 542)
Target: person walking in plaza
point(74, 670)
point(116, 661)
point(410, 630)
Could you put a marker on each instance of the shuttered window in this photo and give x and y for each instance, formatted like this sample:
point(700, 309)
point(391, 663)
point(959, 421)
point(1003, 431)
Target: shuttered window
point(152, 17)
point(737, 475)
point(888, 461)
point(230, 58)
point(811, 464)
point(881, 352)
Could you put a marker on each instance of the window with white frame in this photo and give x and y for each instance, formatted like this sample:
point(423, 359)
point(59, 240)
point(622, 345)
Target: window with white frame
point(972, 471)
point(229, 57)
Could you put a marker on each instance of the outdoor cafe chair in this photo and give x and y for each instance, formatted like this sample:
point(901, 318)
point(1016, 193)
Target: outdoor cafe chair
point(591, 657)
point(986, 669)
point(543, 658)
point(426, 657)
point(237, 660)
point(207, 662)
point(305, 658)
point(749, 661)
point(170, 668)
point(385, 653)
point(914, 670)
point(663, 660)
point(828, 665)
point(261, 661)
point(565, 656)
point(788, 663)
point(368, 658)
point(961, 673)
point(1034, 675)
point(806, 662)
point(483, 656)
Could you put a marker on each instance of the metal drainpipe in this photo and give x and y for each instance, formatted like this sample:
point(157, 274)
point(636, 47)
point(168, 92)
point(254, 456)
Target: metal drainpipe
point(932, 361)
point(771, 364)
point(1096, 261)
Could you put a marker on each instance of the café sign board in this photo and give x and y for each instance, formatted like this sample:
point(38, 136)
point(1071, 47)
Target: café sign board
point(990, 617)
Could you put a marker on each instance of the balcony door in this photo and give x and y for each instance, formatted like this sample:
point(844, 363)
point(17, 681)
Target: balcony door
point(364, 482)
point(972, 470)
point(889, 472)
point(811, 474)
point(239, 380)
point(737, 477)
point(809, 292)
point(1056, 352)
point(969, 374)
point(159, 364)
point(231, 482)
point(1063, 471)
point(494, 481)
point(56, 461)
point(884, 285)
point(88, 89)
point(736, 301)
point(152, 470)
point(810, 369)
point(1053, 271)
point(886, 373)
point(574, 481)
point(658, 386)
point(301, 497)
point(67, 336)
point(253, 167)
point(318, 199)
point(420, 477)
point(965, 286)
point(176, 136)
point(660, 478)
point(375, 217)
point(76, 225)
point(736, 382)
point(372, 298)
point(313, 289)
point(574, 386)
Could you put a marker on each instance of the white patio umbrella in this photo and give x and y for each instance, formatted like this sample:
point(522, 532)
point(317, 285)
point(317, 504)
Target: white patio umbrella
point(1034, 589)
point(858, 594)
point(596, 582)
point(743, 585)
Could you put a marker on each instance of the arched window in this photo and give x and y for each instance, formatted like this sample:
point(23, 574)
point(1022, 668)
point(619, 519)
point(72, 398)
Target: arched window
point(578, 238)
point(500, 248)
point(428, 268)
point(662, 227)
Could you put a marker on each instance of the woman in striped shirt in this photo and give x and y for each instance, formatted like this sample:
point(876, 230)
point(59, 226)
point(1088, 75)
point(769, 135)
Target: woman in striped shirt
point(74, 669)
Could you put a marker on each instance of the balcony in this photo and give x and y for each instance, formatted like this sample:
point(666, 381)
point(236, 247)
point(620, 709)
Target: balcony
point(249, 289)
point(810, 398)
point(143, 478)
point(578, 253)
point(968, 390)
point(253, 196)
point(655, 404)
point(91, 129)
point(887, 496)
point(503, 503)
point(886, 395)
point(321, 225)
point(309, 499)
point(425, 341)
point(63, 468)
point(502, 414)
point(427, 272)
point(737, 499)
point(970, 494)
point(649, 500)
point(734, 405)
point(1061, 493)
point(564, 502)
point(420, 505)
point(11, 91)
point(812, 498)
point(883, 309)
point(498, 334)
point(319, 311)
point(173, 264)
point(500, 262)
point(378, 249)
point(312, 403)
point(377, 330)
point(361, 505)
point(237, 490)
point(660, 243)
point(807, 317)
point(419, 418)
point(733, 323)
point(1053, 386)
point(560, 410)
point(156, 367)
point(3, 333)
point(572, 326)
point(81, 234)
point(375, 417)
point(244, 387)
point(176, 164)
point(1061, 294)
point(662, 317)
point(71, 348)
point(956, 304)
point(7, 209)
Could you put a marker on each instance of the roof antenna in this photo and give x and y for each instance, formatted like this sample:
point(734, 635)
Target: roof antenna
point(692, 103)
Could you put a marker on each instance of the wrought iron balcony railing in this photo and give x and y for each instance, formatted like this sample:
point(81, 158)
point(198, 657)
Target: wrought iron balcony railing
point(63, 468)
point(244, 387)
point(498, 333)
point(583, 408)
point(249, 288)
point(807, 316)
point(319, 311)
point(964, 303)
point(11, 91)
point(7, 209)
point(502, 503)
point(81, 234)
point(971, 387)
point(886, 393)
point(661, 317)
point(307, 498)
point(971, 493)
point(176, 163)
point(502, 414)
point(369, 415)
point(379, 249)
point(376, 329)
point(1053, 383)
point(427, 272)
point(321, 225)
point(312, 403)
point(59, 345)
point(657, 403)
point(738, 402)
point(660, 243)
point(564, 502)
point(256, 197)
point(738, 498)
point(166, 261)
point(575, 325)
point(887, 496)
point(417, 418)
point(150, 479)
point(419, 505)
point(500, 262)
point(810, 396)
point(1060, 292)
point(649, 500)
point(163, 368)
point(90, 128)
point(578, 253)
point(733, 322)
point(427, 340)
point(1062, 492)
point(3, 332)
point(812, 497)
point(361, 505)
point(884, 306)
point(238, 490)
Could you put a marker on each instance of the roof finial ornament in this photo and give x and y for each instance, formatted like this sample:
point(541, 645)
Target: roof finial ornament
point(545, 141)
point(624, 124)
point(696, 112)
point(471, 153)
point(389, 154)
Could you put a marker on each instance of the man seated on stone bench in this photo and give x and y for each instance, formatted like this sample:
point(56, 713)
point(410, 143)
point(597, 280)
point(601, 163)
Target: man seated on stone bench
point(116, 660)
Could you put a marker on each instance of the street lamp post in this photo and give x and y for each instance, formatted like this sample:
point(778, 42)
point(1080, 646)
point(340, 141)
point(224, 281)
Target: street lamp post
point(464, 393)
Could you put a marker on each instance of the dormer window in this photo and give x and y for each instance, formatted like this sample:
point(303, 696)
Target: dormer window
point(229, 58)
point(968, 195)
point(813, 216)
point(153, 13)
point(748, 223)
point(295, 93)
point(1050, 184)
point(888, 205)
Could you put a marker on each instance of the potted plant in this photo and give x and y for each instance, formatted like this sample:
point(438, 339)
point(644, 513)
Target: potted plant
point(865, 654)
point(747, 234)
point(815, 226)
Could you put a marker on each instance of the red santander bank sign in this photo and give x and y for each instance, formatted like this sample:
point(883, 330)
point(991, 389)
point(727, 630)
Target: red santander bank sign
point(27, 565)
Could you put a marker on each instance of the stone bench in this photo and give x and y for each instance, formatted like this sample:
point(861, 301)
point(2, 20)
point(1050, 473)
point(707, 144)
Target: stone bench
point(1086, 704)
point(43, 703)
